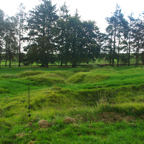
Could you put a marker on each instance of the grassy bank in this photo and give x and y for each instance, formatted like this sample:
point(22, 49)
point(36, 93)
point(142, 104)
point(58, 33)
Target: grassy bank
point(88, 104)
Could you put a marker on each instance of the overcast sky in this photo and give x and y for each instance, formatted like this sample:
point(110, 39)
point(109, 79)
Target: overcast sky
point(96, 10)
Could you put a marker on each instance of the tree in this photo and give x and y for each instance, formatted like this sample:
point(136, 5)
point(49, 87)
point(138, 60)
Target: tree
point(41, 25)
point(32, 54)
point(21, 16)
point(1, 32)
point(91, 41)
point(138, 38)
point(121, 34)
point(108, 44)
point(113, 21)
point(82, 40)
point(129, 36)
point(10, 37)
point(62, 38)
point(75, 29)
point(117, 24)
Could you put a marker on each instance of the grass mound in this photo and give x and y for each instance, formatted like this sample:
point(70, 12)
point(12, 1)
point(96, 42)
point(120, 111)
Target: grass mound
point(86, 77)
point(9, 76)
point(92, 78)
point(110, 117)
point(63, 74)
point(44, 124)
point(77, 78)
point(135, 109)
point(2, 90)
point(47, 79)
point(29, 73)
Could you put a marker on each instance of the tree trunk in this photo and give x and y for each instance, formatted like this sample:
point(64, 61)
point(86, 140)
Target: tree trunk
point(46, 65)
point(118, 54)
point(6, 60)
point(74, 64)
point(129, 35)
point(66, 64)
point(137, 56)
point(61, 63)
point(114, 48)
point(10, 63)
point(129, 52)
point(66, 55)
point(110, 52)
point(43, 59)
point(110, 58)
point(0, 58)
point(9, 57)
point(19, 51)
point(42, 65)
point(6, 55)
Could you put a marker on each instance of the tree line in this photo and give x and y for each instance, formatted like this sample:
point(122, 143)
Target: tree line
point(47, 35)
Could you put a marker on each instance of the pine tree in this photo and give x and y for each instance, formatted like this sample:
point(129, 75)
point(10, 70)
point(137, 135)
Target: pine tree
point(2, 27)
point(109, 42)
point(21, 17)
point(129, 38)
point(41, 25)
point(137, 38)
point(113, 21)
point(118, 27)
point(10, 38)
point(62, 38)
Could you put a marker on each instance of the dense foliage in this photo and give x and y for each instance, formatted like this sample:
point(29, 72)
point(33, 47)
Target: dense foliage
point(48, 35)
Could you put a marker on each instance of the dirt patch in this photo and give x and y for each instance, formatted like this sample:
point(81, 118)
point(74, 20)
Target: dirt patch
point(32, 142)
point(29, 124)
point(130, 118)
point(79, 117)
point(44, 124)
point(142, 117)
point(21, 135)
point(69, 120)
point(108, 117)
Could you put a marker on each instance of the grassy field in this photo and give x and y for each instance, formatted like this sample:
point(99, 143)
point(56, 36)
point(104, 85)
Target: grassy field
point(89, 104)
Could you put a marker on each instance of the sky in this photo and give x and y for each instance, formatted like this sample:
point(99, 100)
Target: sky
point(96, 10)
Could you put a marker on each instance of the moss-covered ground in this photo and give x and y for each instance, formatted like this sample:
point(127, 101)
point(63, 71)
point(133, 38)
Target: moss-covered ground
point(89, 104)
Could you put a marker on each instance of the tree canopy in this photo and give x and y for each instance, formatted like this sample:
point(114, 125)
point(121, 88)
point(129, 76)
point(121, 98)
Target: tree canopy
point(50, 34)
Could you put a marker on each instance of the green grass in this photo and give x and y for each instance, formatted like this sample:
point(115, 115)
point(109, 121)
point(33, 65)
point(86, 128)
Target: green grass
point(106, 104)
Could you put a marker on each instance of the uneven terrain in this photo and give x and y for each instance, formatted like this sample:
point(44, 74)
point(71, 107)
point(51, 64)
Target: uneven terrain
point(88, 104)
